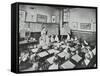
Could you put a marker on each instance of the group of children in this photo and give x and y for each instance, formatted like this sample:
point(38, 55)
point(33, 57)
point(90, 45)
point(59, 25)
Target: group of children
point(70, 46)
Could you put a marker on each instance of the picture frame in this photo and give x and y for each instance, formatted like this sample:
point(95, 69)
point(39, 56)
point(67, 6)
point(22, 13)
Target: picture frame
point(86, 26)
point(30, 17)
point(75, 25)
point(53, 19)
point(63, 63)
point(41, 18)
point(22, 15)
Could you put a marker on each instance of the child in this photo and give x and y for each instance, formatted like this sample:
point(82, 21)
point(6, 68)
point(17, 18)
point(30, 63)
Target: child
point(35, 49)
point(56, 38)
point(52, 38)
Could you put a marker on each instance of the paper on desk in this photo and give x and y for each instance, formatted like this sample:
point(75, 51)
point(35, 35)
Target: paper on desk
point(42, 54)
point(86, 61)
point(34, 50)
point(67, 65)
point(53, 51)
point(53, 66)
point(94, 51)
point(56, 51)
point(51, 59)
point(76, 57)
point(62, 54)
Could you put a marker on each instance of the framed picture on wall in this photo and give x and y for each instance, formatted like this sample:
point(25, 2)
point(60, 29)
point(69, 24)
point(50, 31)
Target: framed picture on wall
point(85, 26)
point(41, 18)
point(75, 25)
point(41, 41)
point(22, 15)
point(53, 19)
point(30, 17)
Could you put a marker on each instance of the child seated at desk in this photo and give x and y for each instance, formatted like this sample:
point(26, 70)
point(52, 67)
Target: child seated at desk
point(52, 38)
point(54, 65)
point(32, 57)
point(35, 49)
point(67, 53)
point(72, 50)
point(24, 61)
point(44, 41)
point(56, 38)
point(88, 57)
point(24, 56)
point(35, 65)
point(94, 51)
point(66, 49)
point(34, 61)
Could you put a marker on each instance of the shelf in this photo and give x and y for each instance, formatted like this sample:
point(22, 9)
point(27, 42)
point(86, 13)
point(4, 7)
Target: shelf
point(42, 23)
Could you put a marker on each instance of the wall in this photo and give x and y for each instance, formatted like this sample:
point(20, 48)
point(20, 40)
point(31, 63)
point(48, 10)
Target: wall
point(77, 16)
point(83, 15)
point(43, 10)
